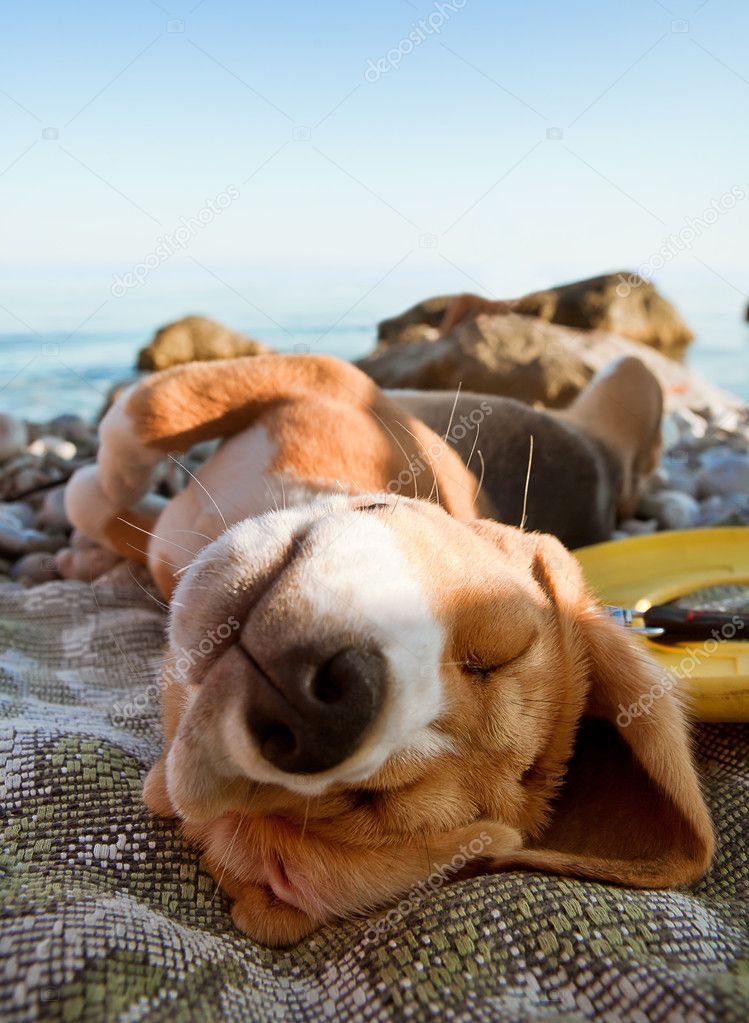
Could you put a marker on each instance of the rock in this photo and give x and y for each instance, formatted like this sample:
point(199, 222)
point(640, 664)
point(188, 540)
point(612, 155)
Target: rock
point(20, 513)
point(35, 568)
point(623, 303)
point(16, 540)
point(638, 527)
point(14, 436)
point(195, 338)
point(48, 444)
point(419, 323)
point(526, 358)
point(725, 472)
point(52, 516)
point(85, 561)
point(28, 471)
point(519, 356)
point(721, 510)
point(678, 474)
point(75, 429)
point(684, 423)
point(671, 509)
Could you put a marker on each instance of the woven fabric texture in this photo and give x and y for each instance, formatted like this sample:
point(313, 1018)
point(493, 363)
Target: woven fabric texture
point(106, 914)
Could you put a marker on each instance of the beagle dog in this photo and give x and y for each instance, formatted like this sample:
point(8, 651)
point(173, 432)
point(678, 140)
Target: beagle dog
point(367, 685)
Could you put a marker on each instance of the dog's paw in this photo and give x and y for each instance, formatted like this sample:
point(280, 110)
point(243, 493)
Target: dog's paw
point(125, 464)
point(269, 921)
point(155, 794)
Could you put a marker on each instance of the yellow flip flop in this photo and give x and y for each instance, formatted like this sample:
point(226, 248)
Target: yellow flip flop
point(643, 571)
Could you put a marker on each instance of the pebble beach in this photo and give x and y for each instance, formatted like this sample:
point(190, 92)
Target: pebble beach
point(702, 479)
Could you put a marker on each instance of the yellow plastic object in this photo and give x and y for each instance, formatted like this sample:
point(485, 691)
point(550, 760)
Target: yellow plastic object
point(646, 570)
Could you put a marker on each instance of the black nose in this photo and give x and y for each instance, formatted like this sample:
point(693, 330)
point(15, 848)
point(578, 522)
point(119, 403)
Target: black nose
point(309, 718)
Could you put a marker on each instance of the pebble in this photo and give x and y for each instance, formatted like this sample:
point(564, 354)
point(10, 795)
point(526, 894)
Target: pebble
point(47, 445)
point(721, 510)
point(683, 422)
point(638, 527)
point(702, 480)
point(38, 567)
point(18, 512)
point(14, 435)
point(679, 472)
point(26, 471)
point(73, 429)
point(16, 540)
point(672, 509)
point(725, 472)
point(52, 515)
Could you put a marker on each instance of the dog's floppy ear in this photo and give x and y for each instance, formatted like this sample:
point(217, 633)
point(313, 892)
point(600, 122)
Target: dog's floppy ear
point(629, 809)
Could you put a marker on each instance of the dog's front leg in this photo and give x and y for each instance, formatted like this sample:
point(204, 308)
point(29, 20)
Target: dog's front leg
point(267, 919)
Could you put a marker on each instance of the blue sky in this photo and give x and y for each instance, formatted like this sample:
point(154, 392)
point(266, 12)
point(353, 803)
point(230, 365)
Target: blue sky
point(514, 146)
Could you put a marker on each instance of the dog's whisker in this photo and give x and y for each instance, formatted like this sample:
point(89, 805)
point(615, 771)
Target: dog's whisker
point(269, 488)
point(156, 536)
point(481, 477)
point(428, 457)
point(162, 561)
point(148, 593)
point(194, 532)
point(524, 516)
point(205, 491)
point(224, 861)
point(203, 561)
point(306, 816)
point(475, 442)
point(224, 864)
point(452, 413)
point(402, 449)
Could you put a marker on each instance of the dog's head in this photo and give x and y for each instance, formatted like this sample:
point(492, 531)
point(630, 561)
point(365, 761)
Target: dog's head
point(369, 644)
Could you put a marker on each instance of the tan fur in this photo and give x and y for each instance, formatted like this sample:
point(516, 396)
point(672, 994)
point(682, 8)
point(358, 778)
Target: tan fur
point(535, 772)
point(624, 808)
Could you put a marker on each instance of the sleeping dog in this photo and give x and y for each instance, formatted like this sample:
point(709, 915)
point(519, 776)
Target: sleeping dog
point(366, 680)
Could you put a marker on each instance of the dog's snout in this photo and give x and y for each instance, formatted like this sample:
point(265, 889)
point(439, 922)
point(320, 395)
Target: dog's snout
point(308, 717)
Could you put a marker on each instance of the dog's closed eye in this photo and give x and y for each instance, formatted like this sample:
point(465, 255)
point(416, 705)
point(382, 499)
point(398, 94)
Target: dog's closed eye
point(477, 671)
point(481, 671)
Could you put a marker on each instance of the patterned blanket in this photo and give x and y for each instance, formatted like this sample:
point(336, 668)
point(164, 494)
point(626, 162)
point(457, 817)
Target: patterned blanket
point(107, 914)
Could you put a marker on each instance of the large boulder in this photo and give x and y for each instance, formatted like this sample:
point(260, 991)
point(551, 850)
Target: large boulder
point(195, 338)
point(541, 363)
point(518, 356)
point(419, 323)
point(623, 303)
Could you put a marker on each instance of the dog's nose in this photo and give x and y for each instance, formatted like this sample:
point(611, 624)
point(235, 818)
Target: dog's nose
point(309, 719)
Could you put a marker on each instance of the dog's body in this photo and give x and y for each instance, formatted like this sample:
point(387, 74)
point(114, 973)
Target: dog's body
point(362, 688)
